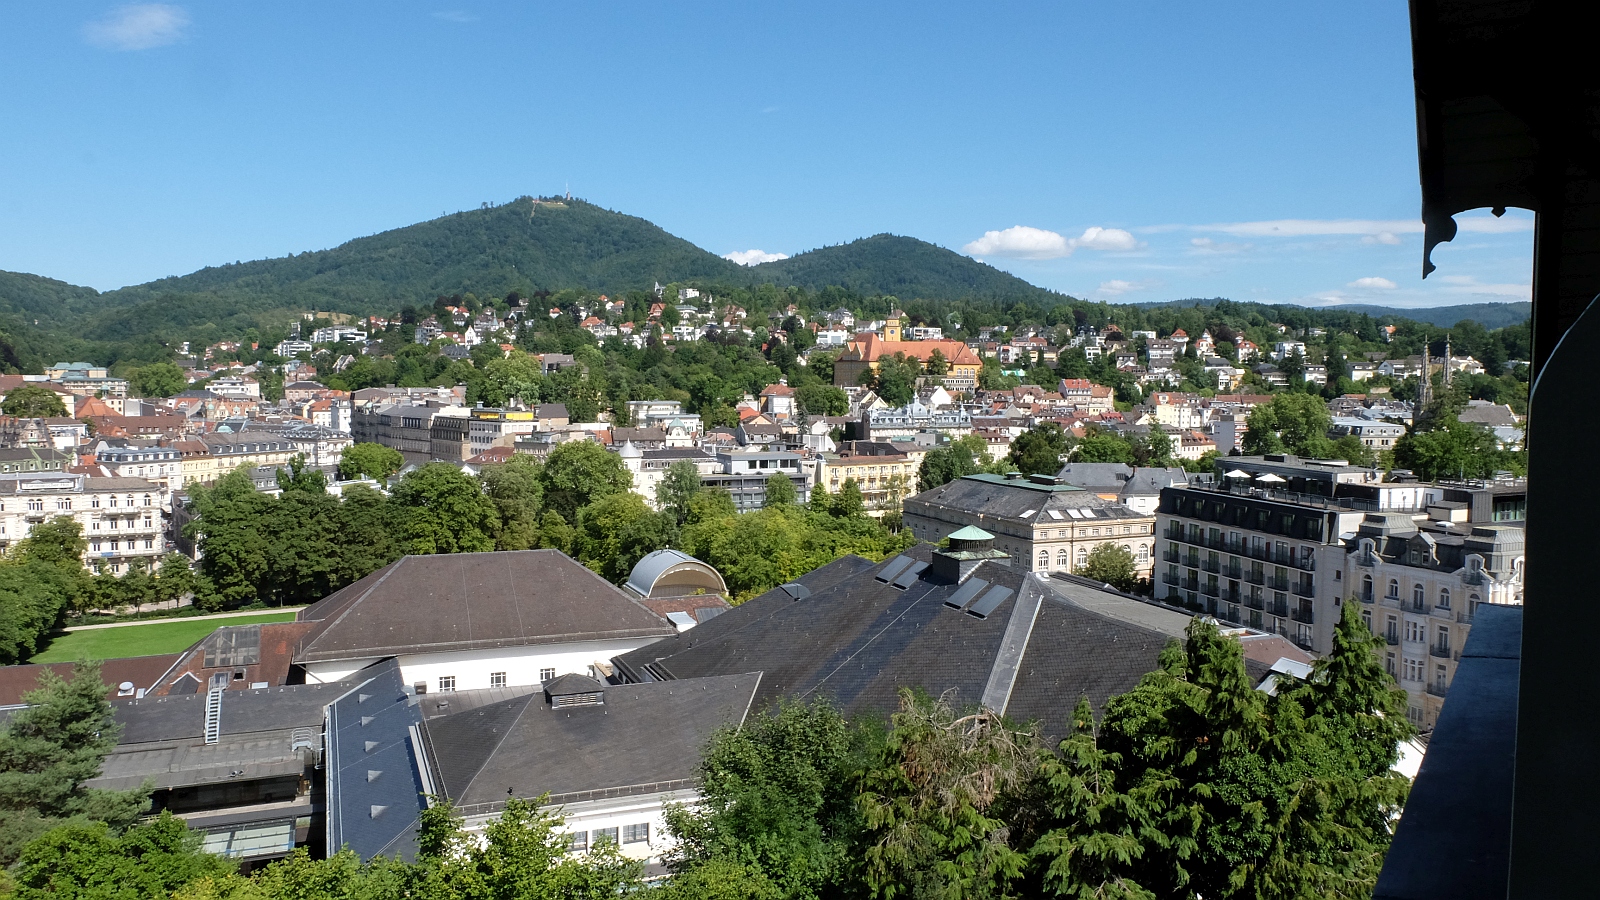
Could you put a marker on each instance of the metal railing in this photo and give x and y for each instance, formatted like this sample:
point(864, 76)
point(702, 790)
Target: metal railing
point(1169, 556)
point(1255, 577)
point(1391, 638)
point(1279, 608)
point(1436, 689)
point(1210, 590)
point(1277, 584)
point(1305, 589)
point(1303, 614)
point(1440, 651)
point(1232, 571)
point(1211, 565)
point(1169, 578)
point(1255, 602)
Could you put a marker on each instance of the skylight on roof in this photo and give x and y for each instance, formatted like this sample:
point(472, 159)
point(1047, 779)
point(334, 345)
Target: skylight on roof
point(1054, 513)
point(1028, 512)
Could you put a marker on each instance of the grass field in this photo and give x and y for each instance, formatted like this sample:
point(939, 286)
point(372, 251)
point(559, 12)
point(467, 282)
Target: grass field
point(141, 640)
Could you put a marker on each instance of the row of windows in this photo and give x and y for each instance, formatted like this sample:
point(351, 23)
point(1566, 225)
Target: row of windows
point(1141, 556)
point(447, 683)
point(1419, 594)
point(581, 841)
point(1095, 531)
point(96, 546)
point(66, 503)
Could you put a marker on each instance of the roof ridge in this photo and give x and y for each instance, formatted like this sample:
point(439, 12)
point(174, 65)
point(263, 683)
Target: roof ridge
point(305, 645)
point(511, 726)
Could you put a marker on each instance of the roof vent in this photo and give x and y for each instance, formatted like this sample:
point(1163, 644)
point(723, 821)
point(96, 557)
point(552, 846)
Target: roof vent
point(796, 590)
point(574, 690)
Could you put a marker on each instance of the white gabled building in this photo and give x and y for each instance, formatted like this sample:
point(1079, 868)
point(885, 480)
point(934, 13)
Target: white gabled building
point(122, 519)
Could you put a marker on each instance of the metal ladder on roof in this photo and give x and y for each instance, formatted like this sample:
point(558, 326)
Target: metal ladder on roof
point(214, 715)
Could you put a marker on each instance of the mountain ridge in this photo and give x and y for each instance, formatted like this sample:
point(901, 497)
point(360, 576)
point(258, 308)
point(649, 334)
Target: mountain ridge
point(526, 245)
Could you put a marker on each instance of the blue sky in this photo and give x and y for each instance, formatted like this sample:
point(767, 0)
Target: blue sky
point(1125, 152)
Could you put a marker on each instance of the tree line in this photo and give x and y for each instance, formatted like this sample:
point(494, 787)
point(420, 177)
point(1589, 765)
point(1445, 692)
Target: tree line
point(304, 544)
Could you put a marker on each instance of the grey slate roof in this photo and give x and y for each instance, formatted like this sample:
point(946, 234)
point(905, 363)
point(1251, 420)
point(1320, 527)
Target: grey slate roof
point(643, 738)
point(163, 738)
point(375, 786)
point(468, 601)
point(1018, 500)
point(859, 640)
point(1127, 481)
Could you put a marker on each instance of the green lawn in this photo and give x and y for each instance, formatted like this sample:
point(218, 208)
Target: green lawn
point(141, 640)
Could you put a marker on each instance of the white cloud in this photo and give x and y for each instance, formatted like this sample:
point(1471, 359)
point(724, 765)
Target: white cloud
point(1117, 287)
point(1098, 238)
point(1373, 283)
point(1020, 242)
point(1204, 245)
point(459, 16)
point(138, 26)
point(1023, 242)
point(753, 257)
point(1382, 237)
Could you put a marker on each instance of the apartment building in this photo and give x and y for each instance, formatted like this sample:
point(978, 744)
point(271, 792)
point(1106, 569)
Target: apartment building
point(1420, 585)
point(125, 458)
point(407, 427)
point(1040, 521)
point(33, 459)
point(1262, 546)
point(744, 476)
point(122, 518)
point(649, 467)
point(885, 471)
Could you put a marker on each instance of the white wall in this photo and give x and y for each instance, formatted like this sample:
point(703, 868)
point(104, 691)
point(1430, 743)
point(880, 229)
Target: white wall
point(615, 813)
point(471, 668)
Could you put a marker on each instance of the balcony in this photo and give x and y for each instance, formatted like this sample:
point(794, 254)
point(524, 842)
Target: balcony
point(1172, 532)
point(1169, 578)
point(1305, 589)
point(1212, 566)
point(1232, 571)
point(1304, 614)
point(1210, 590)
point(1436, 689)
point(1192, 562)
point(1169, 556)
point(1191, 584)
point(1367, 598)
point(1392, 638)
point(1255, 603)
point(1279, 608)
point(1440, 651)
point(1278, 584)
point(1232, 595)
point(1255, 577)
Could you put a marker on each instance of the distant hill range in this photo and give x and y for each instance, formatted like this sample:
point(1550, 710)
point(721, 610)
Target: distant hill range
point(526, 245)
point(1489, 315)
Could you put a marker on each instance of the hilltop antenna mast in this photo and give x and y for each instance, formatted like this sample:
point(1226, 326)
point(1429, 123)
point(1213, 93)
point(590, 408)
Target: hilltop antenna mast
point(569, 191)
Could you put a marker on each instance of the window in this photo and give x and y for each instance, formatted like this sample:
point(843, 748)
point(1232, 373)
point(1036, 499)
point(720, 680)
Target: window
point(607, 835)
point(149, 543)
point(447, 683)
point(1413, 670)
point(547, 675)
point(1394, 589)
point(1388, 664)
point(1444, 598)
point(95, 546)
point(1044, 561)
point(577, 841)
point(497, 679)
point(1062, 559)
point(634, 834)
point(1083, 557)
point(1144, 554)
point(1415, 632)
point(1418, 596)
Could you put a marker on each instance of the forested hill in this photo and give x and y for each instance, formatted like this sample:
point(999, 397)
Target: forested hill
point(902, 266)
point(1489, 315)
point(524, 246)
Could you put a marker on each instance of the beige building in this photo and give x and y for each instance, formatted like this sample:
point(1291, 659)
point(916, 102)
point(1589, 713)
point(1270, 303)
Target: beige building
point(1040, 521)
point(885, 472)
point(122, 518)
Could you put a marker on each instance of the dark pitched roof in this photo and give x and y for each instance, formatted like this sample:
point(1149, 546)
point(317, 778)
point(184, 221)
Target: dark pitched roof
point(466, 601)
point(645, 737)
point(858, 640)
